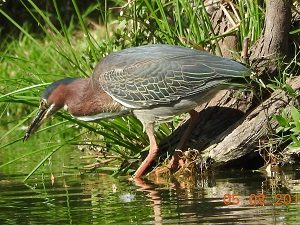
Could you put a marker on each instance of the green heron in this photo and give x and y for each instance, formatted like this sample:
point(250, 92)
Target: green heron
point(153, 82)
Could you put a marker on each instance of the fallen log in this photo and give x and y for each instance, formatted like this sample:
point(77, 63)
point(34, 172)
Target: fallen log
point(243, 137)
point(229, 129)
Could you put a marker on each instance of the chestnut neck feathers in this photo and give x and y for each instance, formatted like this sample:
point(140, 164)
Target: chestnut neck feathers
point(81, 97)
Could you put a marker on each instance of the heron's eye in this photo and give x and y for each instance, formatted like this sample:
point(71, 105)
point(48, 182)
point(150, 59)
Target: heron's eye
point(43, 103)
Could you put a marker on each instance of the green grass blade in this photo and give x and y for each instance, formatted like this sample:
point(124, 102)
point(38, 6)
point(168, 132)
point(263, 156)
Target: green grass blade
point(42, 162)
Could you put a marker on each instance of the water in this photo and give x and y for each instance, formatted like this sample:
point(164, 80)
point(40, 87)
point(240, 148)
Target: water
point(233, 197)
point(58, 195)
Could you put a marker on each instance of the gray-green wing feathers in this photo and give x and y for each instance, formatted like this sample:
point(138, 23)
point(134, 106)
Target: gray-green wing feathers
point(152, 75)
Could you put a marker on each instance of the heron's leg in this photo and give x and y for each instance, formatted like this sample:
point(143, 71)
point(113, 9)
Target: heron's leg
point(152, 152)
point(177, 157)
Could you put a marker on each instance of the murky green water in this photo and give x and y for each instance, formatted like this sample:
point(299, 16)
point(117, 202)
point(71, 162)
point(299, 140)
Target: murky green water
point(57, 195)
point(101, 199)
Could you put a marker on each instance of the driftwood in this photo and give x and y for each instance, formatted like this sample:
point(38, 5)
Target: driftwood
point(215, 117)
point(242, 138)
point(230, 128)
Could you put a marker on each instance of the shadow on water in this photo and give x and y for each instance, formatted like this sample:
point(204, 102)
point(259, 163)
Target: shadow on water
point(233, 197)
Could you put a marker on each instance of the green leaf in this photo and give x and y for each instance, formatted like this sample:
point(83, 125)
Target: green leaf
point(296, 130)
point(283, 122)
point(295, 115)
point(295, 31)
point(290, 91)
point(296, 141)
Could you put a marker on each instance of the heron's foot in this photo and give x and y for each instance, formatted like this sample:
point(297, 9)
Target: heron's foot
point(177, 161)
point(182, 162)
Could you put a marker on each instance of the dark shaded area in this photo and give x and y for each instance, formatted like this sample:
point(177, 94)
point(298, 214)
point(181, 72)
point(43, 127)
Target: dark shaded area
point(209, 119)
point(251, 161)
point(17, 10)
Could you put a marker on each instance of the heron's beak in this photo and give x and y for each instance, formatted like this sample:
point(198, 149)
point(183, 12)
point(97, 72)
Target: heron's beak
point(43, 113)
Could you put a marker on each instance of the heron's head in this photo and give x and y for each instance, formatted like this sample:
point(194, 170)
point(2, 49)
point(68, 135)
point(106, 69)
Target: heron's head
point(52, 100)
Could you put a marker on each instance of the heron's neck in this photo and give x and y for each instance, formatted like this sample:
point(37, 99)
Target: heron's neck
point(86, 100)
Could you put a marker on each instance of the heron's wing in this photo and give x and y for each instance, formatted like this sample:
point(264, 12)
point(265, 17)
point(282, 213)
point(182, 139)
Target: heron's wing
point(143, 77)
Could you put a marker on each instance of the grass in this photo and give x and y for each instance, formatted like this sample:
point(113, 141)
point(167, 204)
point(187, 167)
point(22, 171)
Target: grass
point(30, 63)
point(33, 60)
